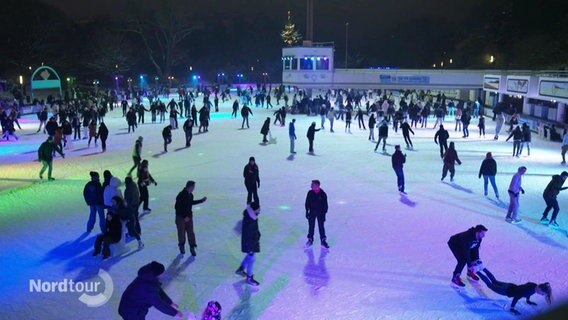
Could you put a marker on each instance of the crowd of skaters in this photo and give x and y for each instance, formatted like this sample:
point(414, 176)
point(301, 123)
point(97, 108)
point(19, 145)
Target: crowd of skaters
point(383, 111)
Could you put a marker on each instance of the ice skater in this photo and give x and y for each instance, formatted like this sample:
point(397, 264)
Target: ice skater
point(136, 154)
point(93, 195)
point(383, 135)
point(450, 158)
point(398, 159)
point(144, 180)
point(250, 242)
point(465, 248)
point(517, 135)
point(188, 130)
point(167, 136)
point(516, 291)
point(45, 156)
point(481, 126)
point(406, 130)
point(184, 217)
point(550, 193)
point(316, 209)
point(441, 138)
point(252, 180)
point(146, 292)
point(292, 135)
point(311, 135)
point(113, 228)
point(265, 130)
point(488, 170)
point(103, 135)
point(514, 190)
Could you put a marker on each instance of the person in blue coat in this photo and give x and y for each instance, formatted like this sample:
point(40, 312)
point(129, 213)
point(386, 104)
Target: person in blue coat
point(93, 194)
point(146, 292)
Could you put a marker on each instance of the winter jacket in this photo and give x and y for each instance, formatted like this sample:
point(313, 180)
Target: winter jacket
point(526, 133)
point(516, 134)
point(131, 194)
point(398, 159)
point(113, 189)
point(103, 131)
point(465, 245)
point(292, 130)
point(451, 156)
point(251, 175)
point(312, 132)
point(316, 203)
point(45, 151)
point(142, 294)
point(554, 187)
point(441, 135)
point(184, 202)
point(167, 133)
point(144, 176)
point(383, 130)
point(137, 150)
point(250, 236)
point(265, 127)
point(93, 193)
point(520, 291)
point(488, 168)
point(515, 186)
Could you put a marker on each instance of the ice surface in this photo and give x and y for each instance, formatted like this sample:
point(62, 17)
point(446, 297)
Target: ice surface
point(388, 260)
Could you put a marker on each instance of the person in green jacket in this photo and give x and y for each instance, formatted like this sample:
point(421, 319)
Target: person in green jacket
point(45, 155)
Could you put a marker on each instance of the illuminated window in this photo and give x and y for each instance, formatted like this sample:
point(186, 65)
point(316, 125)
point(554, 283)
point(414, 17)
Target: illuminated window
point(322, 63)
point(306, 63)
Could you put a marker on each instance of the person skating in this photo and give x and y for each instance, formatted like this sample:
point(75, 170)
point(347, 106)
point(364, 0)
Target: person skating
point(371, 123)
point(441, 138)
point(252, 180)
point(93, 195)
point(103, 135)
point(245, 112)
point(515, 189)
point(144, 180)
point(265, 130)
point(167, 136)
point(383, 135)
point(465, 248)
point(398, 159)
point(488, 170)
point(45, 156)
point(132, 199)
point(526, 139)
point(406, 130)
point(450, 158)
point(517, 136)
point(316, 209)
point(550, 193)
point(292, 135)
point(564, 147)
point(113, 228)
point(481, 126)
point(136, 154)
point(515, 291)
point(184, 217)
point(250, 242)
point(311, 135)
point(188, 130)
point(146, 292)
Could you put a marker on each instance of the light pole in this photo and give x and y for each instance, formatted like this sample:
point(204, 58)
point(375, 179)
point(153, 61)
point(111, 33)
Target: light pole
point(346, 41)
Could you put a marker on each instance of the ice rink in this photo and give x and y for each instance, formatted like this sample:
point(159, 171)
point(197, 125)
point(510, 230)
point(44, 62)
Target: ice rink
point(388, 258)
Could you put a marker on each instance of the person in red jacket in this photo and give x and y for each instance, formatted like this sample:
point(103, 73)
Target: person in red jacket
point(450, 158)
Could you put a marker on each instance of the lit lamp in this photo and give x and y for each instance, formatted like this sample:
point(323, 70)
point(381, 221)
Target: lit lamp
point(491, 59)
point(21, 80)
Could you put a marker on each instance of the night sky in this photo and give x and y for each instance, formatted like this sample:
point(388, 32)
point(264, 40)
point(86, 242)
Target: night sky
point(330, 15)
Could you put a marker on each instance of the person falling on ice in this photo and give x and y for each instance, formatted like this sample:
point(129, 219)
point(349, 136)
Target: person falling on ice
point(514, 291)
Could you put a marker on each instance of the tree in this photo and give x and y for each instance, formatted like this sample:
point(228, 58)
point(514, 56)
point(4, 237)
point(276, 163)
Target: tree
point(289, 35)
point(161, 26)
point(110, 53)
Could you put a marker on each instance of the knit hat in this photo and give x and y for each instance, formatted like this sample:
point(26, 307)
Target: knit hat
point(157, 268)
point(140, 138)
point(94, 174)
point(251, 159)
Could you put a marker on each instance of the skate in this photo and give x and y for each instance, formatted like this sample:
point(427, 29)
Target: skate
point(241, 271)
point(140, 245)
point(544, 220)
point(456, 281)
point(471, 275)
point(553, 225)
point(251, 281)
point(309, 244)
point(192, 251)
point(324, 245)
point(517, 221)
point(181, 250)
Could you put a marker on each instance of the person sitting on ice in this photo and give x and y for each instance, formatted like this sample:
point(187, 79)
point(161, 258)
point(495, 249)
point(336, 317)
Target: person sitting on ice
point(513, 290)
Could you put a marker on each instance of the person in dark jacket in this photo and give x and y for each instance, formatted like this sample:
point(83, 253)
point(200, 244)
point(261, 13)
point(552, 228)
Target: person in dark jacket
point(406, 130)
point(383, 135)
point(184, 217)
point(245, 111)
point(481, 126)
point(398, 159)
point(93, 194)
point(526, 139)
point(265, 130)
point(144, 180)
point(292, 135)
point(103, 135)
point(132, 199)
point(465, 248)
point(465, 119)
point(45, 156)
point(188, 130)
point(311, 135)
point(488, 170)
point(517, 135)
point(252, 180)
point(113, 228)
point(107, 175)
point(372, 122)
point(131, 120)
point(250, 242)
point(515, 291)
point(550, 193)
point(316, 208)
point(146, 292)
point(167, 135)
point(441, 138)
point(450, 158)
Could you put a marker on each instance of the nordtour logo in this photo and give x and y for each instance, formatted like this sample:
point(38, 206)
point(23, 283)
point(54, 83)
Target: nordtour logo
point(94, 293)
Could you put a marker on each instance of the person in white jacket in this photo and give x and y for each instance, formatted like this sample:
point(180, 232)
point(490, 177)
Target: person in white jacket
point(113, 189)
point(515, 189)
